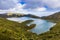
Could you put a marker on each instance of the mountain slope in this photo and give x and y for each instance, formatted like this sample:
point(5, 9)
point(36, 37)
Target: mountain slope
point(10, 30)
point(55, 16)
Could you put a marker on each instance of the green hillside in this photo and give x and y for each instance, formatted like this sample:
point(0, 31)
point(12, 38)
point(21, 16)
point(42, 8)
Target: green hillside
point(10, 30)
point(54, 17)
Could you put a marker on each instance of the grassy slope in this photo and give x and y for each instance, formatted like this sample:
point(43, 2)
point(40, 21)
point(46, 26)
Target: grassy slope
point(53, 34)
point(10, 30)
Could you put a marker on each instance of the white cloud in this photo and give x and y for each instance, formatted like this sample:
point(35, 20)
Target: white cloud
point(52, 4)
point(40, 9)
point(10, 6)
point(36, 7)
point(6, 4)
point(17, 9)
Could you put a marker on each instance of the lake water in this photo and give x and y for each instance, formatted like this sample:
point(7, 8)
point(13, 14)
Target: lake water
point(41, 25)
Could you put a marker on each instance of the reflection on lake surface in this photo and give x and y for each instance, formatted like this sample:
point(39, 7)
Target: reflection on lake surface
point(41, 25)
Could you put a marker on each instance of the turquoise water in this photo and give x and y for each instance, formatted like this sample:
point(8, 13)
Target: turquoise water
point(41, 25)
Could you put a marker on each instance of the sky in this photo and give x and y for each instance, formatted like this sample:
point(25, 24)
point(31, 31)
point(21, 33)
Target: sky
point(36, 7)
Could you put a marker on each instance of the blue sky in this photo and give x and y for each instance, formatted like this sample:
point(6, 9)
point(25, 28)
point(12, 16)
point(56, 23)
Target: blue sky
point(48, 4)
point(23, 2)
point(30, 6)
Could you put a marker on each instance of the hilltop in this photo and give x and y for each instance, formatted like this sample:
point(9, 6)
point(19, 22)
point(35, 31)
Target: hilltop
point(55, 16)
point(9, 15)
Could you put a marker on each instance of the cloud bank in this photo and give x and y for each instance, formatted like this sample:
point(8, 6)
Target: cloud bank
point(29, 6)
point(7, 4)
point(49, 4)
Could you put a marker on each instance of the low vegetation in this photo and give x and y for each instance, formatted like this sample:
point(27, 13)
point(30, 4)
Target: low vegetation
point(10, 30)
point(54, 17)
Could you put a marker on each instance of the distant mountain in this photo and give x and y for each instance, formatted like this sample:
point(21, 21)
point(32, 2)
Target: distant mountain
point(32, 16)
point(6, 15)
point(10, 30)
point(10, 15)
point(55, 16)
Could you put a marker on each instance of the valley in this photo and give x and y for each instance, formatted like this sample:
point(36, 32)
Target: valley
point(20, 31)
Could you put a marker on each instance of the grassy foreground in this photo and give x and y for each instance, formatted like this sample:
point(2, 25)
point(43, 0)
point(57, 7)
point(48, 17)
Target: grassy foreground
point(10, 30)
